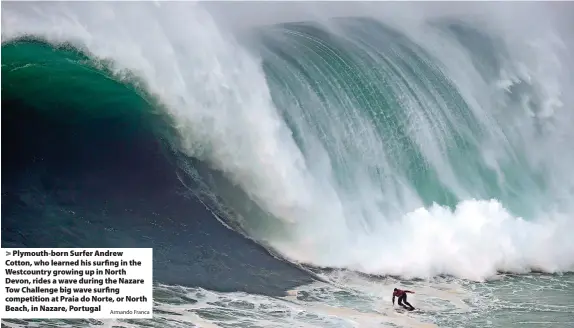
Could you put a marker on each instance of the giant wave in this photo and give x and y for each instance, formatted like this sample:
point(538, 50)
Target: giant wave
point(355, 143)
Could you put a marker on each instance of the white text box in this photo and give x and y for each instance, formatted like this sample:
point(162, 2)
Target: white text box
point(76, 283)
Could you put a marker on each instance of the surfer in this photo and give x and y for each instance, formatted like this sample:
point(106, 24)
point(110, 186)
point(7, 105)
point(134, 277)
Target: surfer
point(402, 295)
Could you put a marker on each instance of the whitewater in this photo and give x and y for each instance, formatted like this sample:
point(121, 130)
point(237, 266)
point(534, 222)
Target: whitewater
point(370, 145)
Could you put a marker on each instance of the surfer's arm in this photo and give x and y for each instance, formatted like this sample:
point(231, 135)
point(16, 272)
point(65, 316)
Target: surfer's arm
point(409, 291)
point(393, 299)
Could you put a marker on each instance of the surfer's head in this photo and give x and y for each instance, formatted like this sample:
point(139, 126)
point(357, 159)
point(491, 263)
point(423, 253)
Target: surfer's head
point(395, 290)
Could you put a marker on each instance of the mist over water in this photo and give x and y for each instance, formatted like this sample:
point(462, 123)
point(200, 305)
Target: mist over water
point(394, 139)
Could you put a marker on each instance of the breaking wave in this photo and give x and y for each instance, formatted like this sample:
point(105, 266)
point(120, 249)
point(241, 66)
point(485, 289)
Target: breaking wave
point(410, 147)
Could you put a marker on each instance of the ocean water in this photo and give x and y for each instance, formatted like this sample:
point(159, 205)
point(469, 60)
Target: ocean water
point(292, 163)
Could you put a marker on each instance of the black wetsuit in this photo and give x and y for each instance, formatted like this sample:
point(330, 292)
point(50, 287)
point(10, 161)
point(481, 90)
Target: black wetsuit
point(402, 294)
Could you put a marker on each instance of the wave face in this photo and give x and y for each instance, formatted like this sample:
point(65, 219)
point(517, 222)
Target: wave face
point(88, 161)
point(412, 147)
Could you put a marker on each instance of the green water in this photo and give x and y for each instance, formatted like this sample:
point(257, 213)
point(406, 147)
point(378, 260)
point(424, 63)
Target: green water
point(72, 87)
point(529, 301)
point(376, 95)
point(64, 77)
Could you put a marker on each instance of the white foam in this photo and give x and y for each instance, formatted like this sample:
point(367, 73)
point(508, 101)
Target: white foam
point(475, 241)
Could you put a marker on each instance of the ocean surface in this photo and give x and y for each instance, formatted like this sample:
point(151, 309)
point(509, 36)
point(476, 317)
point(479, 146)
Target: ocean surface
point(292, 163)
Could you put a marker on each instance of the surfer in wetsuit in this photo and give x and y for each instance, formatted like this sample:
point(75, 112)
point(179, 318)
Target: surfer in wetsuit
point(402, 295)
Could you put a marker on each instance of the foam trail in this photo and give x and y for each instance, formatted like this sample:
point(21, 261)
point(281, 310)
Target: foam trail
point(349, 185)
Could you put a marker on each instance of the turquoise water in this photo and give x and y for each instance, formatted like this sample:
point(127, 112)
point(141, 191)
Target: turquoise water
point(293, 173)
